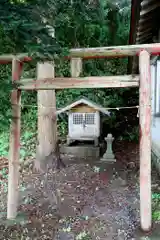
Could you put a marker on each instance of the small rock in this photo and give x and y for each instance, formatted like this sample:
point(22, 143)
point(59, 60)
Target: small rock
point(64, 236)
point(87, 211)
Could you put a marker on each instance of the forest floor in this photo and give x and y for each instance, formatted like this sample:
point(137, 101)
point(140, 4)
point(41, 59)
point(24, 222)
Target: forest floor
point(98, 201)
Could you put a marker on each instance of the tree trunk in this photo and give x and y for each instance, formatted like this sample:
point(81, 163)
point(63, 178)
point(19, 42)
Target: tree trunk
point(47, 126)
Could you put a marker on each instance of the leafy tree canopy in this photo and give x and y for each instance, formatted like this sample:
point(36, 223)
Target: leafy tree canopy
point(27, 26)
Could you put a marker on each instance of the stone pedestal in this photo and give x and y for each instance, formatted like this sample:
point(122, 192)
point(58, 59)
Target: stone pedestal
point(109, 156)
point(84, 151)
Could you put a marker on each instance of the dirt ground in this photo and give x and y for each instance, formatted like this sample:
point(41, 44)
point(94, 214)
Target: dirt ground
point(95, 201)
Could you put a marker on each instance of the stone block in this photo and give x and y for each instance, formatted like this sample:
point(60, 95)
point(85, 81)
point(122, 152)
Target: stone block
point(81, 151)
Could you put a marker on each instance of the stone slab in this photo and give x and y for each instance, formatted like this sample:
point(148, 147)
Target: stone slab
point(81, 151)
point(108, 160)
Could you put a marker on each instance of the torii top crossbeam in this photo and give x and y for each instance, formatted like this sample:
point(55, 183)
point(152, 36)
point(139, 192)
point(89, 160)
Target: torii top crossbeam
point(7, 58)
point(91, 53)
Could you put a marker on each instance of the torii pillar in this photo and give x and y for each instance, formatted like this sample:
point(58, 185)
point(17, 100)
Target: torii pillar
point(145, 141)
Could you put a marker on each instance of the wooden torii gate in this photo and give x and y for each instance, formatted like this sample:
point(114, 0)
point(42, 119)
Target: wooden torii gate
point(143, 81)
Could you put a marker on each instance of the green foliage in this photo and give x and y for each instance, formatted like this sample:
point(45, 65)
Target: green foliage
point(22, 29)
point(62, 127)
point(23, 24)
point(29, 118)
point(26, 27)
point(5, 108)
point(156, 206)
point(90, 25)
point(28, 144)
point(4, 140)
point(83, 236)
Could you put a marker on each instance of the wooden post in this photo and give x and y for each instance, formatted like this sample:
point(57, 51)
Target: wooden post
point(145, 141)
point(47, 127)
point(13, 177)
point(76, 67)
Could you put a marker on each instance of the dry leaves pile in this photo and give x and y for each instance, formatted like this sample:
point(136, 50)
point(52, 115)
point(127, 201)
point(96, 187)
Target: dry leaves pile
point(92, 203)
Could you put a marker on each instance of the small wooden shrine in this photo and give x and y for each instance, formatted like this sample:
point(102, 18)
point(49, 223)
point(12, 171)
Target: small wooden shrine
point(84, 120)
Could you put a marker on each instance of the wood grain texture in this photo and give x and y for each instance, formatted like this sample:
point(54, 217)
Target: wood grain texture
point(115, 51)
point(46, 100)
point(86, 82)
point(76, 67)
point(13, 176)
point(145, 141)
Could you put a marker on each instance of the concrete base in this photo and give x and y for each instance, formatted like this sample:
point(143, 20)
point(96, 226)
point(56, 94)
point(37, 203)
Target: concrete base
point(81, 151)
